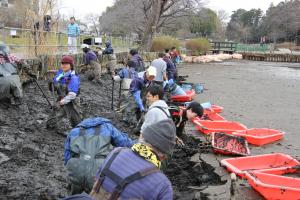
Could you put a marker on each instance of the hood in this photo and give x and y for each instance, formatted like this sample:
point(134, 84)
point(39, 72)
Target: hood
point(107, 44)
point(160, 103)
point(92, 122)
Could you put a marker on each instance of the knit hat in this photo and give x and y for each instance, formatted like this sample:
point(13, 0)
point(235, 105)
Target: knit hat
point(196, 108)
point(161, 135)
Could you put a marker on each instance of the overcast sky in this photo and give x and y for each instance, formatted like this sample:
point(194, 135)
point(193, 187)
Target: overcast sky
point(83, 7)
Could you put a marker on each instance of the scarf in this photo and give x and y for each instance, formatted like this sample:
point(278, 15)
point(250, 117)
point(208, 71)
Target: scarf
point(147, 153)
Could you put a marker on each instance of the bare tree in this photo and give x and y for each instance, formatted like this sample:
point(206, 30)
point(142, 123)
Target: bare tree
point(146, 17)
point(162, 13)
point(93, 19)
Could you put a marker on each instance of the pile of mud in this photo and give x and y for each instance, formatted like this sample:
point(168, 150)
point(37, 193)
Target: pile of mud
point(31, 157)
point(190, 175)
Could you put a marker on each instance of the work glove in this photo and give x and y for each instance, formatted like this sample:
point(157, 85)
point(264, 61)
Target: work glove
point(138, 100)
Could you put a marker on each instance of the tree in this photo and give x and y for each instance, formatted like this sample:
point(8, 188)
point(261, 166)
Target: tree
point(93, 20)
point(204, 23)
point(146, 17)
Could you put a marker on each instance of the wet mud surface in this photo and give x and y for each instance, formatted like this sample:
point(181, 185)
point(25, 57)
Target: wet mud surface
point(31, 157)
point(188, 173)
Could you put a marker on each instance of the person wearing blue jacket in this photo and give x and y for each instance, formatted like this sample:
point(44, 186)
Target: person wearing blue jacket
point(73, 34)
point(112, 61)
point(135, 106)
point(66, 84)
point(86, 147)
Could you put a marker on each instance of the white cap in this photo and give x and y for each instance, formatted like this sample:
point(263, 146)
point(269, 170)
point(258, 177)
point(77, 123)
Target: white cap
point(151, 71)
point(84, 46)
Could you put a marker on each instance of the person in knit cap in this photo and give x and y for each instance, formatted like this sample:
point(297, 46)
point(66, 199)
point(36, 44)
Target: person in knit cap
point(66, 86)
point(135, 173)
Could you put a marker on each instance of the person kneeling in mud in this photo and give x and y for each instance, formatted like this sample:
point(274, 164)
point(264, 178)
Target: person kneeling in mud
point(10, 83)
point(172, 89)
point(135, 173)
point(86, 147)
point(180, 117)
point(91, 62)
point(134, 107)
point(66, 84)
point(125, 77)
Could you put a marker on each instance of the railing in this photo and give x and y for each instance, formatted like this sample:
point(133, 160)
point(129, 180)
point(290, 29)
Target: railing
point(31, 43)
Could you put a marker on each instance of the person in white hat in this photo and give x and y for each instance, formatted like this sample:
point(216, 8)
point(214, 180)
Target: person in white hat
point(135, 106)
point(91, 62)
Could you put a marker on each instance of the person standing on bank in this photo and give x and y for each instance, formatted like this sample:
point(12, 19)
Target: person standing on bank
point(73, 34)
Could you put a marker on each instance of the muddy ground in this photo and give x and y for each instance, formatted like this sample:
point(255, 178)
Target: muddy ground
point(256, 94)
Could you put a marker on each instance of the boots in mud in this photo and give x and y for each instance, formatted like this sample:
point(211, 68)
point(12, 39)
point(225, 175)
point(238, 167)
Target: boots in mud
point(70, 110)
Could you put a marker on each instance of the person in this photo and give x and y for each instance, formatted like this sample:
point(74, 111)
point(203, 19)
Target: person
point(73, 33)
point(172, 89)
point(174, 55)
point(112, 61)
point(66, 84)
point(175, 58)
point(171, 69)
point(86, 147)
point(167, 53)
point(180, 117)
point(136, 100)
point(108, 48)
point(10, 83)
point(135, 57)
point(158, 109)
point(91, 60)
point(161, 69)
point(125, 75)
point(134, 173)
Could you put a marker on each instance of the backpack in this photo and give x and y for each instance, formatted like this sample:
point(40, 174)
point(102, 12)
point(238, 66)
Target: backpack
point(98, 192)
point(86, 147)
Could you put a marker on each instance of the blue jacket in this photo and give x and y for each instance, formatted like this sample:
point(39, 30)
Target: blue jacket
point(73, 30)
point(118, 138)
point(127, 73)
point(69, 79)
point(137, 85)
point(140, 65)
point(108, 49)
point(89, 56)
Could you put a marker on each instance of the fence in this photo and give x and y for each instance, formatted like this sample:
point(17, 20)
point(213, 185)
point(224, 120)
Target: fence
point(31, 43)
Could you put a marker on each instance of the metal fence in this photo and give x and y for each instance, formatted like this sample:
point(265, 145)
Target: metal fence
point(32, 43)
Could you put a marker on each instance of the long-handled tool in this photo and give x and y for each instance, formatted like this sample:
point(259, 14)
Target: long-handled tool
point(112, 93)
point(45, 96)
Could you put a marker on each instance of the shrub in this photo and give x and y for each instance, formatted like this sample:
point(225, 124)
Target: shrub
point(164, 42)
point(199, 45)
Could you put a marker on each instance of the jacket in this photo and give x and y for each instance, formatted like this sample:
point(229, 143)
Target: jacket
point(108, 49)
point(138, 88)
point(87, 146)
point(155, 186)
point(155, 114)
point(73, 30)
point(140, 65)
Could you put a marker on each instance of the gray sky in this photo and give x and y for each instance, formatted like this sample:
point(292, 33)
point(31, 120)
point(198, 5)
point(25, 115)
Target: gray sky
point(83, 7)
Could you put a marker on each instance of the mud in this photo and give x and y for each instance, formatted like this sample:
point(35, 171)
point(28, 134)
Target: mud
point(31, 156)
point(188, 173)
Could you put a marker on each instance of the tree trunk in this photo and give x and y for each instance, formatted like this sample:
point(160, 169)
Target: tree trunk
point(151, 26)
